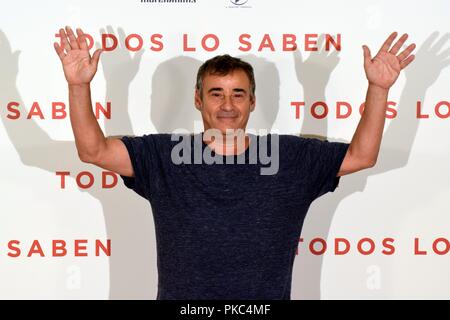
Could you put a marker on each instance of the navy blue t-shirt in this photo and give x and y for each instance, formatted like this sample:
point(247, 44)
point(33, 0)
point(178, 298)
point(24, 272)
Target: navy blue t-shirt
point(225, 231)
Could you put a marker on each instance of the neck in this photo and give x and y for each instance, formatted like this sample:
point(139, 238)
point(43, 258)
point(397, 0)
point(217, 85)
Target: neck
point(232, 144)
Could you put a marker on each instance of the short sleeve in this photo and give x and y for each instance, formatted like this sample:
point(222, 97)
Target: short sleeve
point(322, 161)
point(142, 151)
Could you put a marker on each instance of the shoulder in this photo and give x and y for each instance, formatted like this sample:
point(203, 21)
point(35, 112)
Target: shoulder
point(148, 138)
point(147, 142)
point(297, 145)
point(288, 146)
point(289, 141)
point(307, 142)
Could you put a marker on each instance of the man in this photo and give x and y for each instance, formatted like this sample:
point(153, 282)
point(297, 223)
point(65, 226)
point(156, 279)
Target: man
point(227, 231)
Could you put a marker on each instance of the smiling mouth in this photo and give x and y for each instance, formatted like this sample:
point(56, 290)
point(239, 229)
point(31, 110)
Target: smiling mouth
point(226, 118)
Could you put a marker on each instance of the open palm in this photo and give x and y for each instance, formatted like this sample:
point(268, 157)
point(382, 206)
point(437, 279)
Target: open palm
point(79, 67)
point(384, 69)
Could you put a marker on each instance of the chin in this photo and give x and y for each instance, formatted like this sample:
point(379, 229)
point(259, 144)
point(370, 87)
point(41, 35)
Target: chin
point(231, 125)
point(224, 129)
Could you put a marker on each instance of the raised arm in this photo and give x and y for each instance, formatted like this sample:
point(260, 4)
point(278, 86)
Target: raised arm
point(79, 70)
point(382, 71)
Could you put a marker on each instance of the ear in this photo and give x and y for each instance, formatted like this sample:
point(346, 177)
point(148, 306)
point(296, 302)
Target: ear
point(252, 103)
point(198, 100)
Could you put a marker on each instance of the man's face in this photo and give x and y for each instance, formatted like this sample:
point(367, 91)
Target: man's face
point(226, 102)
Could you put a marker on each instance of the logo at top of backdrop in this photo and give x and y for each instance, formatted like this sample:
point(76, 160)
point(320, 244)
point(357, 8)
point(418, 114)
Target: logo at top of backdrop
point(239, 2)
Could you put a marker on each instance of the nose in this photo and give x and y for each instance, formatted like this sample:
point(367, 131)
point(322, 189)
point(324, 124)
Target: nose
point(227, 104)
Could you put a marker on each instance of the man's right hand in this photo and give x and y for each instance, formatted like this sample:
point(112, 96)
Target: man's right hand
point(79, 67)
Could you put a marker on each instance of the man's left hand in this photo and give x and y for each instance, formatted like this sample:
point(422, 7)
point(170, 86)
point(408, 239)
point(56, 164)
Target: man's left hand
point(384, 68)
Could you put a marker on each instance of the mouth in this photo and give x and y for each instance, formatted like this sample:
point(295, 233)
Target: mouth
point(227, 117)
point(228, 120)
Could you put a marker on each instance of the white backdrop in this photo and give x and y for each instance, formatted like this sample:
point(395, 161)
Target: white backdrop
point(405, 196)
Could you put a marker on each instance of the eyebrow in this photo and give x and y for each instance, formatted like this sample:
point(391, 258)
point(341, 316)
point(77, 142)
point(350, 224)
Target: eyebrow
point(221, 89)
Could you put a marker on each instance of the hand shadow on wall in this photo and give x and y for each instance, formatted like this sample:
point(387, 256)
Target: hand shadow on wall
point(394, 153)
point(128, 223)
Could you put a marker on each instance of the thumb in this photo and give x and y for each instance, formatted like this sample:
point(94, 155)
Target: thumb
point(96, 57)
point(367, 55)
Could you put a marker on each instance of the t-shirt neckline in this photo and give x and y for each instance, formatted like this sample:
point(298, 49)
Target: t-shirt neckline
point(245, 153)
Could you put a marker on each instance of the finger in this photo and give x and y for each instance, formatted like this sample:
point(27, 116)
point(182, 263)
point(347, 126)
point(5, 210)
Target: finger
point(321, 43)
point(367, 55)
point(440, 43)
point(102, 32)
point(64, 40)
point(122, 35)
point(426, 45)
point(407, 61)
point(334, 54)
point(298, 56)
point(445, 63)
point(96, 57)
point(73, 41)
point(444, 54)
point(110, 30)
point(405, 53)
point(398, 44)
point(82, 42)
point(387, 44)
point(59, 51)
point(138, 57)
